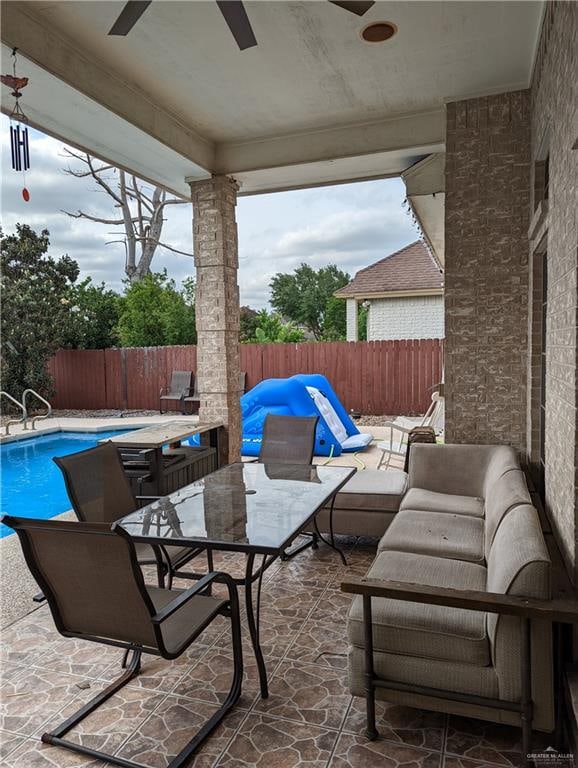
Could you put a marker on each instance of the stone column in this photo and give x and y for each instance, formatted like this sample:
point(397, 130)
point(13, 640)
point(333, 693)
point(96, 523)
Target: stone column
point(352, 320)
point(486, 269)
point(217, 307)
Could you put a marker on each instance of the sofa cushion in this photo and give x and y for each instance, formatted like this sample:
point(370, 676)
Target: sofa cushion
point(373, 489)
point(440, 534)
point(427, 631)
point(430, 501)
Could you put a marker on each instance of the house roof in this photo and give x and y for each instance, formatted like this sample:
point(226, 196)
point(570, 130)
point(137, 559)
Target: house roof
point(410, 270)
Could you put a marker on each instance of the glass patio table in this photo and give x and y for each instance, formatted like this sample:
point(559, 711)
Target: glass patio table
point(254, 508)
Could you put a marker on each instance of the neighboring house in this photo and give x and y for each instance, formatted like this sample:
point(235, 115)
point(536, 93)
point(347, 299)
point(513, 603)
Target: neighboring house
point(404, 296)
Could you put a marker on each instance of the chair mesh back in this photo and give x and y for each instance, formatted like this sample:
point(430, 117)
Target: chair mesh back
point(288, 439)
point(97, 485)
point(91, 579)
point(180, 381)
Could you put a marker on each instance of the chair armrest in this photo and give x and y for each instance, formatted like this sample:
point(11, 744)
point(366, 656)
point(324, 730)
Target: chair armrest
point(172, 395)
point(193, 591)
point(564, 611)
point(184, 393)
point(398, 427)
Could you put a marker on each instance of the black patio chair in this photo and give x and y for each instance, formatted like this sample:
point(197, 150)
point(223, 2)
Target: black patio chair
point(96, 592)
point(100, 492)
point(289, 440)
point(180, 388)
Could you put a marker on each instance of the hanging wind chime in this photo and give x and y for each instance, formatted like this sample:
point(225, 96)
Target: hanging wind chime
point(18, 126)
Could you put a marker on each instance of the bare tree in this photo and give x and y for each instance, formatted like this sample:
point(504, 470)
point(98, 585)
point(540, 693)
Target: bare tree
point(141, 212)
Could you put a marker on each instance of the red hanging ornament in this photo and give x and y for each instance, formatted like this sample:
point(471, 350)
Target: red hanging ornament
point(26, 194)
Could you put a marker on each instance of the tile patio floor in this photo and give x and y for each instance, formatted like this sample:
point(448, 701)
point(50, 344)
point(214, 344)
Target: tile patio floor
point(310, 720)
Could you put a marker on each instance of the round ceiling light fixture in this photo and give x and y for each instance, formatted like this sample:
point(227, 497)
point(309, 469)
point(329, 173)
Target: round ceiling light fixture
point(378, 31)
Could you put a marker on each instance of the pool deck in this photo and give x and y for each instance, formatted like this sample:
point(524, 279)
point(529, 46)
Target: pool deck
point(76, 424)
point(18, 587)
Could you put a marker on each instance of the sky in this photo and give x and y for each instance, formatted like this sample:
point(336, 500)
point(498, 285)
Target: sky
point(351, 225)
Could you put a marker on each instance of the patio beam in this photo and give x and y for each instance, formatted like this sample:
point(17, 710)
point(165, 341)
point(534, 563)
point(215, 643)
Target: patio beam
point(420, 133)
point(217, 307)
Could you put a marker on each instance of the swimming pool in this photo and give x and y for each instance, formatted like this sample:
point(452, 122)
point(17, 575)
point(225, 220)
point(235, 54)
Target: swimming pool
point(32, 484)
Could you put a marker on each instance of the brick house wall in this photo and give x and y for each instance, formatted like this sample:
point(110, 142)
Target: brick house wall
point(406, 317)
point(553, 232)
point(486, 269)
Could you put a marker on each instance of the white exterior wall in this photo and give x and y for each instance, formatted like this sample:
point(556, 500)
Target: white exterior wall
point(407, 317)
point(352, 320)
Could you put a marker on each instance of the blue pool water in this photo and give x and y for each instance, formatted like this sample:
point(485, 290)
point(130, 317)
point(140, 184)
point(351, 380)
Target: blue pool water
point(32, 485)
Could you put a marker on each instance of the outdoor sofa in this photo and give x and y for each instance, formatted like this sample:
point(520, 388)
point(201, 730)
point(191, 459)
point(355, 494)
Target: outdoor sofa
point(466, 534)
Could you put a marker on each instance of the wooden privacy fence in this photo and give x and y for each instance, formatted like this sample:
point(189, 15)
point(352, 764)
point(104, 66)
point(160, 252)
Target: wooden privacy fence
point(373, 377)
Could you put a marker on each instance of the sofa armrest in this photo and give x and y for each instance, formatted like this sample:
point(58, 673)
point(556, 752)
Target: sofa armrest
point(563, 611)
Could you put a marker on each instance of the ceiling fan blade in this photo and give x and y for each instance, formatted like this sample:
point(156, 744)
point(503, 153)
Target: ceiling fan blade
point(358, 8)
point(129, 16)
point(238, 22)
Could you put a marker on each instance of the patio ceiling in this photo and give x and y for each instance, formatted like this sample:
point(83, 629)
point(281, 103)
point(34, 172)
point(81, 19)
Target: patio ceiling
point(311, 103)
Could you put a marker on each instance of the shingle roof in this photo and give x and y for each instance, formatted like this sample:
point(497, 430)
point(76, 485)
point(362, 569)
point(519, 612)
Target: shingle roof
point(410, 269)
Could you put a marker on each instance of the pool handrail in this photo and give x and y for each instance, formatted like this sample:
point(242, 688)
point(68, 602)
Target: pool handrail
point(42, 415)
point(22, 407)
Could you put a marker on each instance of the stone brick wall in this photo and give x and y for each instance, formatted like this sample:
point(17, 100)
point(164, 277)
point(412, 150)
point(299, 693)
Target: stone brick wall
point(217, 306)
point(486, 268)
point(554, 97)
point(406, 317)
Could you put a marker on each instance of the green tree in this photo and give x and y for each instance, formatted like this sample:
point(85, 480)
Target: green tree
point(249, 324)
point(35, 308)
point(306, 297)
point(94, 315)
point(155, 313)
point(272, 330)
point(335, 320)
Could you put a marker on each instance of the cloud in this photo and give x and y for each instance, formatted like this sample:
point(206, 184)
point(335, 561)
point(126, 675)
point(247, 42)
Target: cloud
point(350, 225)
point(347, 231)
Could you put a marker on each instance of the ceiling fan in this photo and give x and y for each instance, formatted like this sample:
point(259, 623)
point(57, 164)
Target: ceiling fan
point(233, 11)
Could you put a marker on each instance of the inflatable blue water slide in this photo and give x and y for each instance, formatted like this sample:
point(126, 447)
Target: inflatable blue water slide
point(301, 395)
